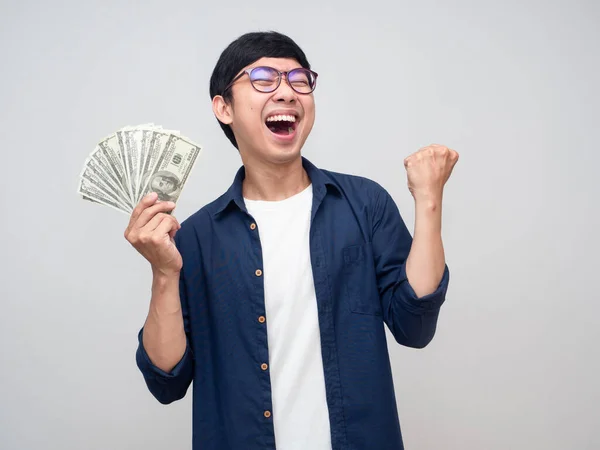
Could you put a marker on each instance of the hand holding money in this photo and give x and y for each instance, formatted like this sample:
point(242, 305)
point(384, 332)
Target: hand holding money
point(151, 231)
point(135, 161)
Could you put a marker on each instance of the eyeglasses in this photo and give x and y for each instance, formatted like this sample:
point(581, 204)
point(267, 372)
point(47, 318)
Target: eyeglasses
point(267, 79)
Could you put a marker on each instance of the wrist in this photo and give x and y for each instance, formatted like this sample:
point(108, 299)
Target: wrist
point(428, 215)
point(161, 275)
point(429, 198)
point(165, 295)
point(428, 204)
point(163, 281)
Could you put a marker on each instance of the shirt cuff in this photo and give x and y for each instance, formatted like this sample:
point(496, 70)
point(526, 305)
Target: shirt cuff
point(427, 303)
point(149, 370)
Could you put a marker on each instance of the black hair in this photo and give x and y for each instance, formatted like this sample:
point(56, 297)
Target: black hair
point(242, 52)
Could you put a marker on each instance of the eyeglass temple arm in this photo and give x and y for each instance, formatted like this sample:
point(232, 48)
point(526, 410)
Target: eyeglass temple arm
point(234, 80)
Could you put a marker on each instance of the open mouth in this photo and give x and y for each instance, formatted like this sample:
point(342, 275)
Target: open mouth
point(281, 125)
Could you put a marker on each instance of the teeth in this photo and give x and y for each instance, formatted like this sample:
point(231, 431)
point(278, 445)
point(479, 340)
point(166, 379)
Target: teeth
point(281, 118)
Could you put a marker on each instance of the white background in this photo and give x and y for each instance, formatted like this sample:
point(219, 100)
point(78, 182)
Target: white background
point(513, 86)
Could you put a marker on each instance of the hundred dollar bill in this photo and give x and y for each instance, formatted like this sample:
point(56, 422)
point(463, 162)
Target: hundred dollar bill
point(158, 142)
point(92, 168)
point(128, 139)
point(110, 152)
point(91, 189)
point(112, 144)
point(144, 146)
point(108, 170)
point(136, 141)
point(172, 169)
point(108, 203)
point(125, 155)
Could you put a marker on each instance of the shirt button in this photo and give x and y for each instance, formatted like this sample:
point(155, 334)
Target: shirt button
point(264, 366)
point(253, 226)
point(258, 272)
point(267, 414)
point(262, 319)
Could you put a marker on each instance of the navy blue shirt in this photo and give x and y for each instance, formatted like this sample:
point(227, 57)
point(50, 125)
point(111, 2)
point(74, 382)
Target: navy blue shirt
point(358, 247)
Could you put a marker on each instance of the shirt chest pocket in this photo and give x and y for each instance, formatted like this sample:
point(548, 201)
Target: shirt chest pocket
point(359, 285)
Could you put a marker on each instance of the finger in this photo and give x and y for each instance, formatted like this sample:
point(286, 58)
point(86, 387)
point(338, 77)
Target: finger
point(154, 222)
point(144, 203)
point(453, 155)
point(453, 161)
point(166, 226)
point(157, 220)
point(150, 212)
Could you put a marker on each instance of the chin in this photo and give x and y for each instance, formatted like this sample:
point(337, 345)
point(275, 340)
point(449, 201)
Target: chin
point(283, 149)
point(280, 155)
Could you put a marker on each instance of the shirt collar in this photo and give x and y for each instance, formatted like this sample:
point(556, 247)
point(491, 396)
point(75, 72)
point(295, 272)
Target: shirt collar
point(320, 181)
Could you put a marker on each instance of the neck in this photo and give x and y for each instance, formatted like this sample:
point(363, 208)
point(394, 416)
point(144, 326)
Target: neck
point(273, 181)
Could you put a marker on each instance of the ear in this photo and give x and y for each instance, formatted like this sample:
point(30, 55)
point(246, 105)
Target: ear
point(222, 110)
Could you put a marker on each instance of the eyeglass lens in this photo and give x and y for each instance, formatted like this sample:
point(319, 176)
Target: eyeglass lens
point(266, 79)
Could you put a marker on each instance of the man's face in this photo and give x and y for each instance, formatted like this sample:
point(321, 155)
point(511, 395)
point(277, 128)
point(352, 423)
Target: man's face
point(262, 138)
point(163, 184)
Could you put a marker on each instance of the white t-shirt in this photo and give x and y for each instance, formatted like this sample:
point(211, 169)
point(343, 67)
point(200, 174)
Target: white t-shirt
point(300, 413)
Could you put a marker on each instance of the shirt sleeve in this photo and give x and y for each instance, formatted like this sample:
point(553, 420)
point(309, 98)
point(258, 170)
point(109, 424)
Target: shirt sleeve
point(411, 319)
point(168, 387)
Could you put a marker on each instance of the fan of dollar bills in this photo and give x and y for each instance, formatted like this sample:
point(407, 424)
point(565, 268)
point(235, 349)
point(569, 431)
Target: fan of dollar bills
point(135, 161)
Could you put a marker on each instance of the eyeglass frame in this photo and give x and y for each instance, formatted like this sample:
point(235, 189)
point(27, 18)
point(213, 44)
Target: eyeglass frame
point(280, 75)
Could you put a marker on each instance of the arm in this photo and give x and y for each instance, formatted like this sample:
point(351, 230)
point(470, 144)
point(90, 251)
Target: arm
point(411, 318)
point(163, 355)
point(163, 335)
point(428, 171)
point(426, 261)
point(412, 273)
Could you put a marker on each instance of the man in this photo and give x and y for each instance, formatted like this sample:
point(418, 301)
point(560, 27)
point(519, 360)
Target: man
point(273, 298)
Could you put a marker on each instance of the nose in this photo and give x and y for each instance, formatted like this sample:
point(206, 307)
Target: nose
point(284, 93)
